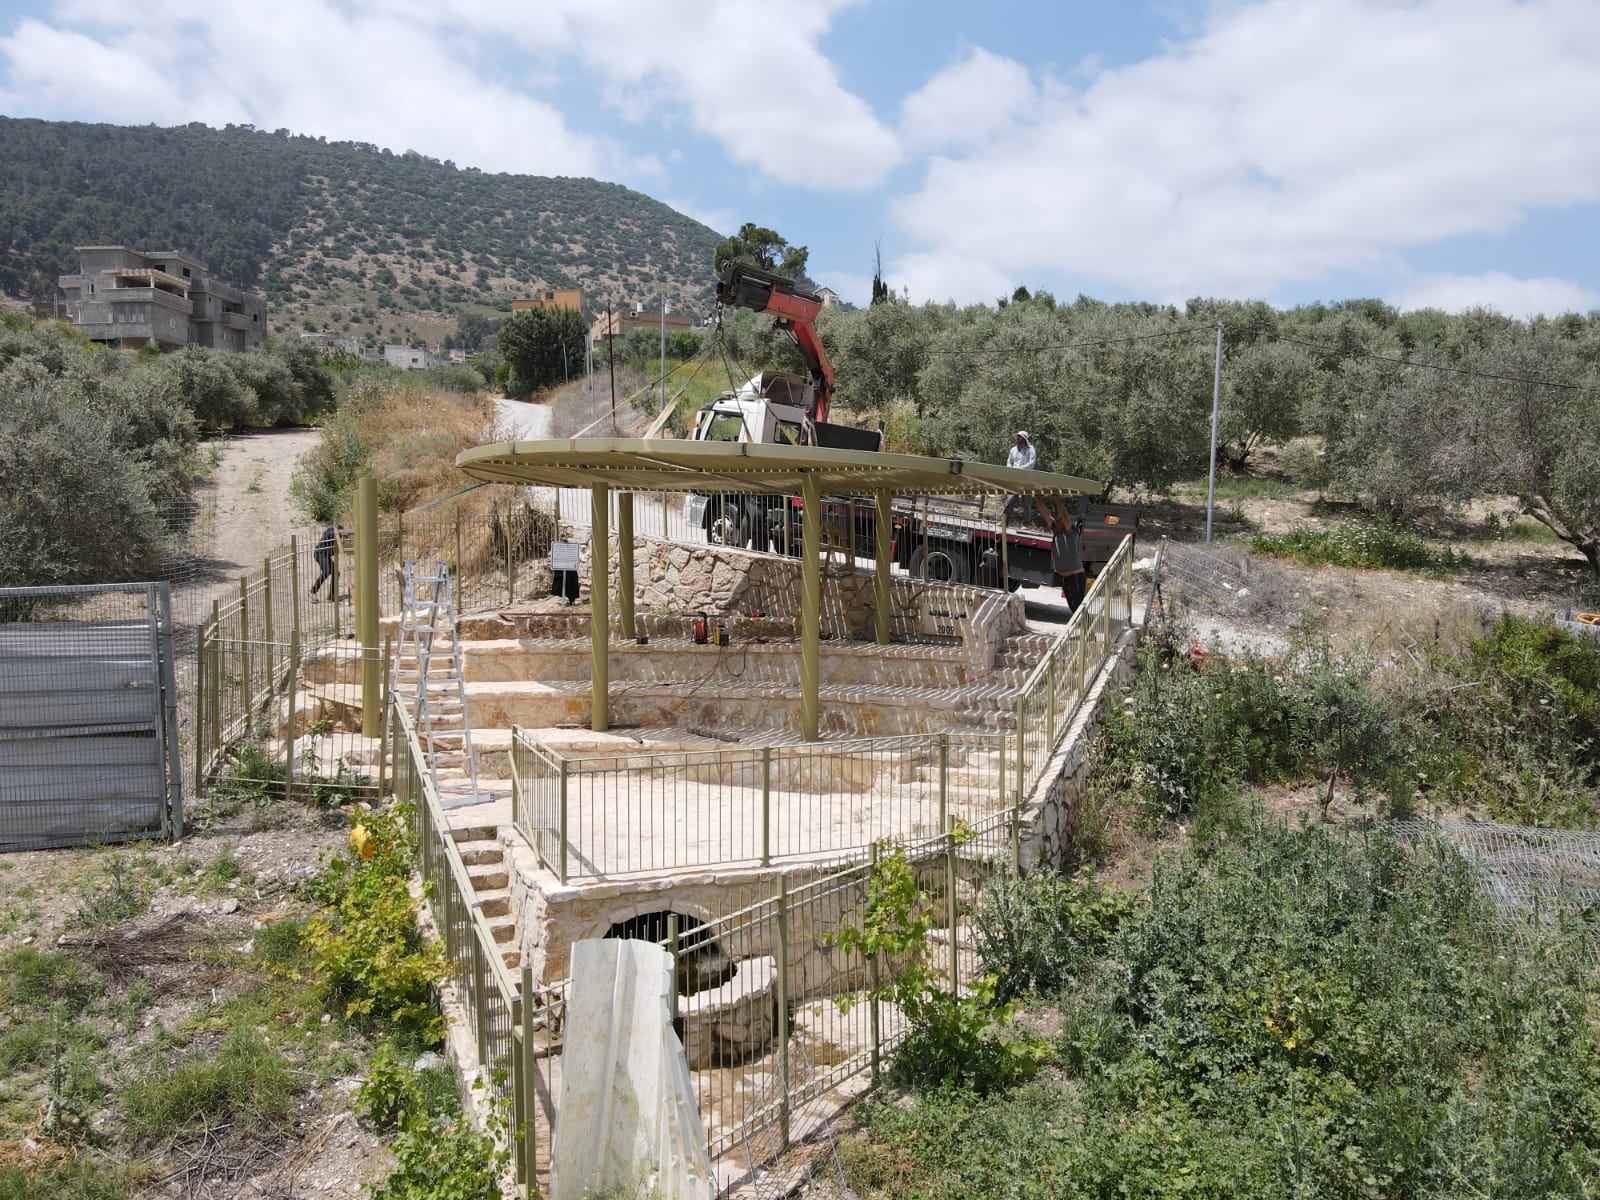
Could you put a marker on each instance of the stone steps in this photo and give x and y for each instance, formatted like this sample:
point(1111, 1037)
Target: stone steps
point(484, 856)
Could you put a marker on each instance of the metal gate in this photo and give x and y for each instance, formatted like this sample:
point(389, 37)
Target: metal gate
point(88, 715)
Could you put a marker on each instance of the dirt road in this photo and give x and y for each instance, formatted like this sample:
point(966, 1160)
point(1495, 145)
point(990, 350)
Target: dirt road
point(248, 511)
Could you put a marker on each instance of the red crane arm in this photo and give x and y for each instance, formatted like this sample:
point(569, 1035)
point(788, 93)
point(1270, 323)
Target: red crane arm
point(744, 286)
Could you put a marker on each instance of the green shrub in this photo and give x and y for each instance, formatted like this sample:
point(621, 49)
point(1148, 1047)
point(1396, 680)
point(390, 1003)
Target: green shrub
point(372, 960)
point(1359, 544)
point(116, 891)
point(1287, 1014)
point(437, 1159)
point(1515, 725)
point(253, 776)
point(1036, 932)
point(955, 1040)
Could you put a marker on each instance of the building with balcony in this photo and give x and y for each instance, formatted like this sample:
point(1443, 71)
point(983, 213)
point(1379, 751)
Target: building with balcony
point(555, 298)
point(128, 299)
point(621, 324)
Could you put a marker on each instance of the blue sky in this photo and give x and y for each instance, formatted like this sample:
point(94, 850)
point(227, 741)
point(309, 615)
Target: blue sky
point(1428, 152)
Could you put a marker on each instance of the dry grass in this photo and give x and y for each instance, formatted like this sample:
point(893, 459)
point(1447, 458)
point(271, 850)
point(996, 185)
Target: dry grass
point(415, 434)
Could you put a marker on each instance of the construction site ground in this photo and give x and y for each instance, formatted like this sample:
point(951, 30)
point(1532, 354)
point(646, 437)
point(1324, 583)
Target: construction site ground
point(1513, 567)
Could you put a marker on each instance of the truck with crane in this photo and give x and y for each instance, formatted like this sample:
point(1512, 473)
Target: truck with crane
point(941, 539)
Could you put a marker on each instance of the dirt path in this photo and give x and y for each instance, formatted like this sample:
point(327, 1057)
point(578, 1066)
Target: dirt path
point(248, 509)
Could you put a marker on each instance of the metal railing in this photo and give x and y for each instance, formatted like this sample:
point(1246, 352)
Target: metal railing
point(1050, 699)
point(270, 648)
point(620, 815)
point(593, 816)
point(508, 1017)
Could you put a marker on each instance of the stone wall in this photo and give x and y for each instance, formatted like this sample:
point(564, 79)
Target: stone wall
point(671, 578)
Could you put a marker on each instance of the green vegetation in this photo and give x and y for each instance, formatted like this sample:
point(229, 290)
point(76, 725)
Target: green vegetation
point(340, 236)
point(955, 1039)
point(1285, 1013)
point(373, 962)
point(1506, 724)
point(1319, 1011)
point(764, 248)
point(143, 1045)
point(1359, 544)
point(543, 346)
point(243, 1081)
point(83, 429)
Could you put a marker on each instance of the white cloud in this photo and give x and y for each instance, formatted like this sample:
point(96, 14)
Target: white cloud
point(1504, 293)
point(749, 75)
point(430, 76)
point(966, 104)
point(1292, 139)
point(354, 73)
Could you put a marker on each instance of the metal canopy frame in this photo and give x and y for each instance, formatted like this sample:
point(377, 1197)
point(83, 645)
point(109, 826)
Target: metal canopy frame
point(629, 465)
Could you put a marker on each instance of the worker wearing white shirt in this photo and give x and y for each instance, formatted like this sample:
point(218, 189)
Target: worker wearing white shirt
point(1022, 455)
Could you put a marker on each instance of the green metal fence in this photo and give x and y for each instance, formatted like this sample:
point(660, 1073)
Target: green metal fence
point(271, 699)
point(1054, 692)
point(515, 1026)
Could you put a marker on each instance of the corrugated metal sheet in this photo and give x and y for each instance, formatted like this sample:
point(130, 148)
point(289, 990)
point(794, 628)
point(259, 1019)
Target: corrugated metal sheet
point(87, 735)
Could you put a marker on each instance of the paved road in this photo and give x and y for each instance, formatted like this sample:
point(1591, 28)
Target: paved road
point(520, 421)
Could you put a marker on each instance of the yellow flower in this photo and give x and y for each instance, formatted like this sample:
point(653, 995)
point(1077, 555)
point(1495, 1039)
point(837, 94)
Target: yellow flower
point(361, 842)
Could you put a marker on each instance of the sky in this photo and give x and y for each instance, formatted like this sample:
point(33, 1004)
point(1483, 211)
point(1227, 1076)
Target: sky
point(1431, 153)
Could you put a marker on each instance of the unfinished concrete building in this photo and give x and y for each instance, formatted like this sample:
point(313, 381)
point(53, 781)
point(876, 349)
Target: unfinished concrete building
point(128, 299)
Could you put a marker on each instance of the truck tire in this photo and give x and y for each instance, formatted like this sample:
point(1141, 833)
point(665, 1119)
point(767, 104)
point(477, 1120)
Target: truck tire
point(945, 564)
point(725, 523)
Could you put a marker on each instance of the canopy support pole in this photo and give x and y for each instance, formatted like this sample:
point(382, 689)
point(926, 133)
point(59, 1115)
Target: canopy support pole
point(810, 604)
point(625, 564)
point(599, 614)
point(884, 544)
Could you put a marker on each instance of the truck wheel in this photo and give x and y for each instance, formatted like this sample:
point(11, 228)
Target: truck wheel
point(944, 564)
point(726, 529)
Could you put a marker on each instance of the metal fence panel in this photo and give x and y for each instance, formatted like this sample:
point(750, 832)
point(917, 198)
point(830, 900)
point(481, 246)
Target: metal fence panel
point(88, 735)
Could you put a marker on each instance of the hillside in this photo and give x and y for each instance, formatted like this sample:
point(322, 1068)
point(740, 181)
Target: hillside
point(341, 236)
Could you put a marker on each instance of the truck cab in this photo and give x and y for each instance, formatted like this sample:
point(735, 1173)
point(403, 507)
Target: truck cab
point(770, 409)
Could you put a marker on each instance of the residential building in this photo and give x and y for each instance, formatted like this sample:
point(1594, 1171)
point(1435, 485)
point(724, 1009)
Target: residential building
point(828, 296)
point(407, 358)
point(621, 324)
point(327, 342)
point(555, 298)
point(128, 299)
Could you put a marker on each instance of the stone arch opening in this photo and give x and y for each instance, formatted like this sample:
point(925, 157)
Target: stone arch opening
point(702, 962)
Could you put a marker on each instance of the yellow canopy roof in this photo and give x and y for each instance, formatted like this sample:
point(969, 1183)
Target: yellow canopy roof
point(671, 465)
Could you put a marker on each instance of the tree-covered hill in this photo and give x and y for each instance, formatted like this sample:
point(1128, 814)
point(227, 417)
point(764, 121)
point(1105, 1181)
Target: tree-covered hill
point(342, 237)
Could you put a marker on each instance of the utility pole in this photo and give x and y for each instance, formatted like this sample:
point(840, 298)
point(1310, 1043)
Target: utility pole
point(611, 360)
point(1216, 407)
point(663, 349)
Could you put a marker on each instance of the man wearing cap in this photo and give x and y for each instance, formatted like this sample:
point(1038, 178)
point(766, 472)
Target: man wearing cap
point(1023, 456)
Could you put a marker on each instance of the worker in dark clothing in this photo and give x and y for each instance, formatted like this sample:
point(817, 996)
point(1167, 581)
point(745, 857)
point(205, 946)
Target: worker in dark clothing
point(326, 553)
point(1065, 557)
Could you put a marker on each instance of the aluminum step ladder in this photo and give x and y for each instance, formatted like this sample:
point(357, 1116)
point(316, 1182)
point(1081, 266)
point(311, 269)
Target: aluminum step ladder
point(428, 672)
